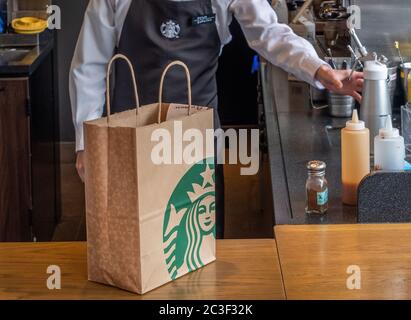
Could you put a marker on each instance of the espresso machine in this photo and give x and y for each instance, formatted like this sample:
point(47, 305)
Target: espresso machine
point(376, 102)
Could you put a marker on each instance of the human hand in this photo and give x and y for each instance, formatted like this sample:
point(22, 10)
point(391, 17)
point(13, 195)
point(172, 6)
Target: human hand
point(338, 81)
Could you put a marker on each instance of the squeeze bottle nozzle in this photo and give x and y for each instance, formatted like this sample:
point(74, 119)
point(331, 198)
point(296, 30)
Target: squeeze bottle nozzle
point(355, 116)
point(389, 131)
point(355, 123)
point(388, 123)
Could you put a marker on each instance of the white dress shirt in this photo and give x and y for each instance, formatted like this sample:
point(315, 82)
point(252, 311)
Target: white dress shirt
point(101, 33)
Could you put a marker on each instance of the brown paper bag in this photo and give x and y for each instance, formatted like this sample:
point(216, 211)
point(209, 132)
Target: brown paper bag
point(147, 223)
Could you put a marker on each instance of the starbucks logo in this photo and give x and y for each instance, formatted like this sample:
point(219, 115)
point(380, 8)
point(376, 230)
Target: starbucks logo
point(170, 29)
point(190, 220)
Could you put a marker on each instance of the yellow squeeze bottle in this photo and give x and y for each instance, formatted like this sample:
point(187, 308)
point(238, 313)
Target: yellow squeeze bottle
point(355, 157)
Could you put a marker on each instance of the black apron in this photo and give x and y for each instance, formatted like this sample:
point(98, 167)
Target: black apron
point(157, 32)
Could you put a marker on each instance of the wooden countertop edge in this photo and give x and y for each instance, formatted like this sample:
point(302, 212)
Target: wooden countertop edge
point(344, 227)
point(58, 243)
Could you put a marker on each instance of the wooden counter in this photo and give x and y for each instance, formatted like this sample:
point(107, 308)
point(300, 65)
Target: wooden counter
point(315, 259)
point(245, 269)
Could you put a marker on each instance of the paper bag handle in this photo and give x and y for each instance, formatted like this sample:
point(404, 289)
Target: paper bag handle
point(108, 101)
point(172, 64)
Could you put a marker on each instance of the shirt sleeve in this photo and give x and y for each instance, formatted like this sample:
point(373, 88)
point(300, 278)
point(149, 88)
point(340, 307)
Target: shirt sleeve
point(276, 42)
point(95, 47)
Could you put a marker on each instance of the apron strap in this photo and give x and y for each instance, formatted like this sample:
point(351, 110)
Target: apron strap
point(108, 99)
point(160, 99)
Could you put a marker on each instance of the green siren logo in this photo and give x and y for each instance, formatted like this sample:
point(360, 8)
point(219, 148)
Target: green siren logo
point(189, 220)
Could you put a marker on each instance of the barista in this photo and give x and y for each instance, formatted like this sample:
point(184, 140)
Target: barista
point(152, 33)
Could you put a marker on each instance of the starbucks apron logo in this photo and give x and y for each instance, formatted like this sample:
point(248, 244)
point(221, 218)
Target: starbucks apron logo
point(189, 220)
point(170, 30)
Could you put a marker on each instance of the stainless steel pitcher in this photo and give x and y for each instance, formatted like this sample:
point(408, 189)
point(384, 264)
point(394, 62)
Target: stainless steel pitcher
point(376, 104)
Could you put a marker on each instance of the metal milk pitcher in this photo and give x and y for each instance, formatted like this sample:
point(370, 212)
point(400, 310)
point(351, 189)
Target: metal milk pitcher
point(376, 104)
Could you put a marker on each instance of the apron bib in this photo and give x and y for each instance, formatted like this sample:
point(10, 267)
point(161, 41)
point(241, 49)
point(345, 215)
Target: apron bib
point(157, 32)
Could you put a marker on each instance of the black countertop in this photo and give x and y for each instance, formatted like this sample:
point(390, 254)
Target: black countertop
point(37, 48)
point(296, 134)
point(305, 137)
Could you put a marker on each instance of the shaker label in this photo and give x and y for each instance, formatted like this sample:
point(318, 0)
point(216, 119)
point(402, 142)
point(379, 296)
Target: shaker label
point(322, 197)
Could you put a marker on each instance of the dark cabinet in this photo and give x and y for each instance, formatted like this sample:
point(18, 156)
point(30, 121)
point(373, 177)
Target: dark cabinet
point(29, 157)
point(15, 168)
point(44, 135)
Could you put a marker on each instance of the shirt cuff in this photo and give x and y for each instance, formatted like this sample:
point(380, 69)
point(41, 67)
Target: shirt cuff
point(79, 139)
point(79, 126)
point(312, 65)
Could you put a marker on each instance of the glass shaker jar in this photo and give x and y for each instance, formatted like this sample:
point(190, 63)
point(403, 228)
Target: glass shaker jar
point(317, 188)
point(406, 125)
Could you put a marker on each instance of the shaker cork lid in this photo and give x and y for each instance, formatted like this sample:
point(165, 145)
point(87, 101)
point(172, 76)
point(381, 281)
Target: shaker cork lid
point(316, 165)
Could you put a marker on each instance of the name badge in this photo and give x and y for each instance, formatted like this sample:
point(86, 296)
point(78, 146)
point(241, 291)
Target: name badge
point(206, 19)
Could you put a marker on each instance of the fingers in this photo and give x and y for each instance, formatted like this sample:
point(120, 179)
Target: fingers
point(81, 172)
point(329, 78)
point(332, 79)
point(354, 84)
point(338, 81)
point(80, 165)
point(359, 84)
point(356, 96)
point(358, 75)
point(335, 86)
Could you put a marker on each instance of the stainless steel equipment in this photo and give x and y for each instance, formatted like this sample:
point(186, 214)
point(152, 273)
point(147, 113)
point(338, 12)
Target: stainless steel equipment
point(363, 50)
point(332, 10)
point(384, 22)
point(355, 57)
point(392, 81)
point(339, 62)
point(12, 55)
point(376, 104)
point(340, 106)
